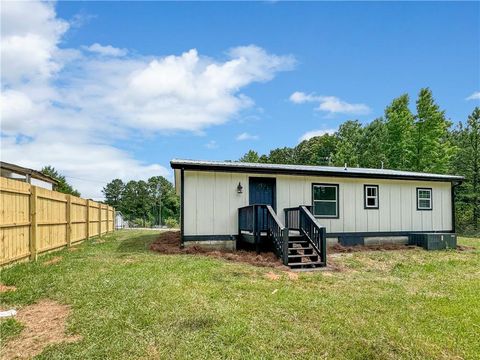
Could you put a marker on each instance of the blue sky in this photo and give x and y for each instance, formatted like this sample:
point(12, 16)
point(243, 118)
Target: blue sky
point(344, 60)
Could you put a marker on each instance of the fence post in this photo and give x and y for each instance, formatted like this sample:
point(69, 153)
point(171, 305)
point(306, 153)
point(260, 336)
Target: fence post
point(108, 223)
point(88, 219)
point(69, 220)
point(99, 219)
point(114, 214)
point(33, 222)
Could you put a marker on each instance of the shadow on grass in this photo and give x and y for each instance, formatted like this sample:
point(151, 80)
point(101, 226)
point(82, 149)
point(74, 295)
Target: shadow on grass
point(137, 244)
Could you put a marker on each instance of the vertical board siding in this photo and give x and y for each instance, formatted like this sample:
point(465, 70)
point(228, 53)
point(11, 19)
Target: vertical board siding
point(212, 202)
point(14, 220)
point(56, 216)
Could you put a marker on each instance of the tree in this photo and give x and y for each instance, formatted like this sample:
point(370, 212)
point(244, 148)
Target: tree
point(63, 186)
point(113, 193)
point(399, 123)
point(153, 201)
point(165, 202)
point(136, 201)
point(432, 147)
point(373, 145)
point(285, 155)
point(349, 137)
point(467, 163)
point(251, 157)
point(316, 151)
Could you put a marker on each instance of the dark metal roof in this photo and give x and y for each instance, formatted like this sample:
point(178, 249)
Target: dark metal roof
point(235, 166)
point(26, 171)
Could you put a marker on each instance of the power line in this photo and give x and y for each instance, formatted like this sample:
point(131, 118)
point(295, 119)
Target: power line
point(90, 180)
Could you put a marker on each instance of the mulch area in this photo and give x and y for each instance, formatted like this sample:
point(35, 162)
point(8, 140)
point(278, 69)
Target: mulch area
point(338, 248)
point(169, 243)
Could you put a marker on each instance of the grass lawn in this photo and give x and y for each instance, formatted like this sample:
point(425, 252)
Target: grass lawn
point(128, 302)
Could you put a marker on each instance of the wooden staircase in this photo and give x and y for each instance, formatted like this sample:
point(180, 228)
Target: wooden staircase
point(301, 254)
point(301, 246)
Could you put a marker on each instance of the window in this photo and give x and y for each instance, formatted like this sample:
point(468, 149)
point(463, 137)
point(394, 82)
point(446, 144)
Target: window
point(424, 199)
point(325, 200)
point(371, 196)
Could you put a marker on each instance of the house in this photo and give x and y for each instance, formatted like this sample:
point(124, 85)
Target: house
point(298, 209)
point(27, 175)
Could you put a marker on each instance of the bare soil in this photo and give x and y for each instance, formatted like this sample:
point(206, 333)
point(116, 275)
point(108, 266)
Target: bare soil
point(6, 288)
point(52, 261)
point(338, 248)
point(169, 243)
point(44, 325)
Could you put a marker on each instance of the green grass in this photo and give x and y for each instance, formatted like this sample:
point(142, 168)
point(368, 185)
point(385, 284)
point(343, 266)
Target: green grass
point(9, 328)
point(130, 303)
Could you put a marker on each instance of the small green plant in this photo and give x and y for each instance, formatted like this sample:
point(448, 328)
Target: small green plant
point(171, 223)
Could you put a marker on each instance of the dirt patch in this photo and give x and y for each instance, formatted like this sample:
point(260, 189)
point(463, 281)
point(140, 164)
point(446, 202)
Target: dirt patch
point(338, 248)
point(292, 275)
point(44, 325)
point(54, 260)
point(465, 248)
point(272, 276)
point(169, 243)
point(7, 288)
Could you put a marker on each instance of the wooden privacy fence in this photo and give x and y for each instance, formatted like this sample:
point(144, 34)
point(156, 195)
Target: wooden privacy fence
point(34, 220)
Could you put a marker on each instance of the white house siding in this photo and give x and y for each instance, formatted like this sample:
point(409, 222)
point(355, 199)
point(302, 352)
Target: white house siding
point(211, 203)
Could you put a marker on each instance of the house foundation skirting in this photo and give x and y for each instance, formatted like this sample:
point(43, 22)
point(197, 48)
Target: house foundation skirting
point(227, 241)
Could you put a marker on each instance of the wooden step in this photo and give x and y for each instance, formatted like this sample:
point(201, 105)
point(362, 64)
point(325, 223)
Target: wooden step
point(305, 252)
point(301, 255)
point(309, 263)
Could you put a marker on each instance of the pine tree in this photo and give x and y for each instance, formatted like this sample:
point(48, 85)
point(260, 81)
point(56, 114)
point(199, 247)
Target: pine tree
point(399, 123)
point(432, 146)
point(63, 186)
point(373, 145)
point(113, 192)
point(349, 137)
point(467, 163)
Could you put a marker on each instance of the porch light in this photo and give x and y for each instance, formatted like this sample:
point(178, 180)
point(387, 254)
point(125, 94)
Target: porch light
point(239, 188)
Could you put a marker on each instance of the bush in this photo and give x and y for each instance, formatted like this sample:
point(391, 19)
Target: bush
point(171, 223)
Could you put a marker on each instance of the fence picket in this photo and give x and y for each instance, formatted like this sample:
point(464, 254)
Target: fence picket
point(33, 220)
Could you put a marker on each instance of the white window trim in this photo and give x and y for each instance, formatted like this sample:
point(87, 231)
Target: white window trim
point(376, 196)
point(336, 187)
point(430, 199)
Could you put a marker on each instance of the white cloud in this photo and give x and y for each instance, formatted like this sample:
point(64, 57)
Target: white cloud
point(30, 33)
point(474, 96)
point(212, 144)
point(329, 104)
point(106, 50)
point(312, 133)
point(104, 99)
point(246, 136)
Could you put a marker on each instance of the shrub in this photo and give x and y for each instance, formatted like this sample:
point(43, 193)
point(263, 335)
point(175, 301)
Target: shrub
point(171, 223)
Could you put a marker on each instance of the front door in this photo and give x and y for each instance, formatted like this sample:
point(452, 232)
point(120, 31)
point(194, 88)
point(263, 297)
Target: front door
point(262, 191)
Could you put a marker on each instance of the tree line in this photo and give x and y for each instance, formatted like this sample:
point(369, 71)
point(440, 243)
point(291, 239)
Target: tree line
point(424, 141)
point(145, 203)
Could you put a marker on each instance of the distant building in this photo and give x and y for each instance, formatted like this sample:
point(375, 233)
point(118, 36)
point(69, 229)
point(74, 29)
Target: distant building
point(27, 175)
point(120, 222)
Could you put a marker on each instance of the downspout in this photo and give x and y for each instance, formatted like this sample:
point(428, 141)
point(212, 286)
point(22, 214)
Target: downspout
point(182, 206)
